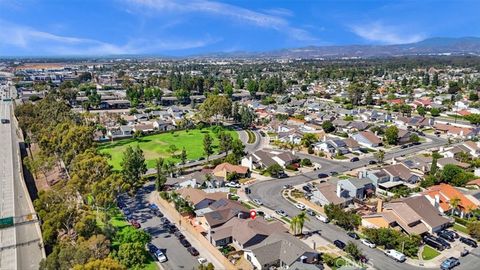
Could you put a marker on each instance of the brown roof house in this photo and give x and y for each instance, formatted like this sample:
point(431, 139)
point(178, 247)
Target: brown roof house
point(199, 198)
point(413, 215)
point(225, 169)
point(243, 232)
point(222, 211)
point(281, 250)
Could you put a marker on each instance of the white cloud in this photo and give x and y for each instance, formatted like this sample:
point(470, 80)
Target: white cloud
point(379, 32)
point(33, 41)
point(272, 21)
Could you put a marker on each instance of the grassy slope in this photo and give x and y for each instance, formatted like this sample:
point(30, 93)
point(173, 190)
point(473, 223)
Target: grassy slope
point(155, 146)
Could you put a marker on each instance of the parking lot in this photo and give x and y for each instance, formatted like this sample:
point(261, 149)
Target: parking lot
point(178, 256)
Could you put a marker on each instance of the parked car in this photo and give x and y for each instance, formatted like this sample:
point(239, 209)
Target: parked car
point(468, 242)
point(311, 212)
point(232, 185)
point(322, 218)
point(202, 260)
point(151, 248)
point(281, 213)
point(449, 263)
point(354, 159)
point(444, 242)
point(179, 235)
point(5, 121)
point(287, 186)
point(452, 233)
point(446, 236)
point(135, 224)
point(160, 256)
point(396, 255)
point(193, 251)
point(306, 189)
point(353, 235)
point(300, 206)
point(339, 244)
point(372, 162)
point(333, 173)
point(435, 244)
point(367, 243)
point(257, 201)
point(185, 243)
point(322, 175)
point(464, 252)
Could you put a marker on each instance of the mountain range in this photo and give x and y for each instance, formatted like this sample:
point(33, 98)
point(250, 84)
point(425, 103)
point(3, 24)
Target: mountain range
point(431, 46)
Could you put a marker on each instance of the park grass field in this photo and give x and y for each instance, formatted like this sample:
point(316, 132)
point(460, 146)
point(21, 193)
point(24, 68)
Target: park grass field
point(157, 145)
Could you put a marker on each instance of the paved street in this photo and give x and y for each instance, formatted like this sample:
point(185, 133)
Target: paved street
point(269, 192)
point(24, 251)
point(178, 256)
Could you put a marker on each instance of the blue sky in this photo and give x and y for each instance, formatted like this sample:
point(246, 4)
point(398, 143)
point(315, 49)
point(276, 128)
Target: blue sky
point(180, 27)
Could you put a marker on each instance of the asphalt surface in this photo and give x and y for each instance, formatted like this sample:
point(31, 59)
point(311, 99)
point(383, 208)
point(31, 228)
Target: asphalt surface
point(269, 192)
point(178, 256)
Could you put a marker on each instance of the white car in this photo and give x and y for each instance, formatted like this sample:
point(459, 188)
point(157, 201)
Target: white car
point(202, 260)
point(396, 255)
point(322, 218)
point(257, 201)
point(300, 206)
point(232, 185)
point(367, 243)
point(160, 256)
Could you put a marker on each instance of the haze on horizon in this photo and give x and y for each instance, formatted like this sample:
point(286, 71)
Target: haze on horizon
point(178, 27)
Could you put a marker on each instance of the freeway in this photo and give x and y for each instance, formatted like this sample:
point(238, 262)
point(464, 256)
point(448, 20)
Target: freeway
point(269, 192)
point(23, 249)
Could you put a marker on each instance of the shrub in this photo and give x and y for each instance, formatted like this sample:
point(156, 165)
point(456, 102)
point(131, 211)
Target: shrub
point(306, 162)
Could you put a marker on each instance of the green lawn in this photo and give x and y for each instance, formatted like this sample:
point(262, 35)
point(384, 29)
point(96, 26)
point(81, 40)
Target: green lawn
point(429, 253)
point(155, 146)
point(151, 264)
point(460, 228)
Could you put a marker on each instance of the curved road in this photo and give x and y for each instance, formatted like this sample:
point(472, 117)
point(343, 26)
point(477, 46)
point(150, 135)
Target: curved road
point(269, 192)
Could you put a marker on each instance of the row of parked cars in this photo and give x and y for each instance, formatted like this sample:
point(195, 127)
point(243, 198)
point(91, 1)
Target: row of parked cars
point(172, 228)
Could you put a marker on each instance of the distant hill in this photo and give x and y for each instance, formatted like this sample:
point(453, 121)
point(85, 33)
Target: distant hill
point(431, 46)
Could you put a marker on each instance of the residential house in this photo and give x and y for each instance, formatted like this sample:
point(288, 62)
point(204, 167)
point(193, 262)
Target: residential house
point(223, 210)
point(356, 188)
point(199, 198)
point(281, 251)
point(444, 196)
point(404, 136)
point(262, 159)
point(367, 139)
point(163, 125)
point(413, 215)
point(243, 232)
point(225, 169)
point(330, 193)
point(441, 162)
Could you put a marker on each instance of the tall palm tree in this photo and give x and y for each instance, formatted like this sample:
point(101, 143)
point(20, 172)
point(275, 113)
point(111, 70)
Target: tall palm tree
point(302, 217)
point(294, 225)
point(454, 202)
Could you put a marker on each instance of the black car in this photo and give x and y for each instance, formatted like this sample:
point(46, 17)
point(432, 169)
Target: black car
point(372, 162)
point(446, 236)
point(468, 242)
point(185, 243)
point(322, 175)
point(431, 242)
point(5, 121)
point(353, 235)
point(282, 175)
point(354, 159)
point(452, 233)
point(307, 189)
point(333, 173)
point(179, 235)
point(151, 248)
point(442, 241)
point(339, 244)
point(193, 251)
point(310, 212)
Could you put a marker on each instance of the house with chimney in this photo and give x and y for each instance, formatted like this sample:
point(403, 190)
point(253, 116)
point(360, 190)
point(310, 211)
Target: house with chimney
point(413, 215)
point(450, 200)
point(281, 250)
